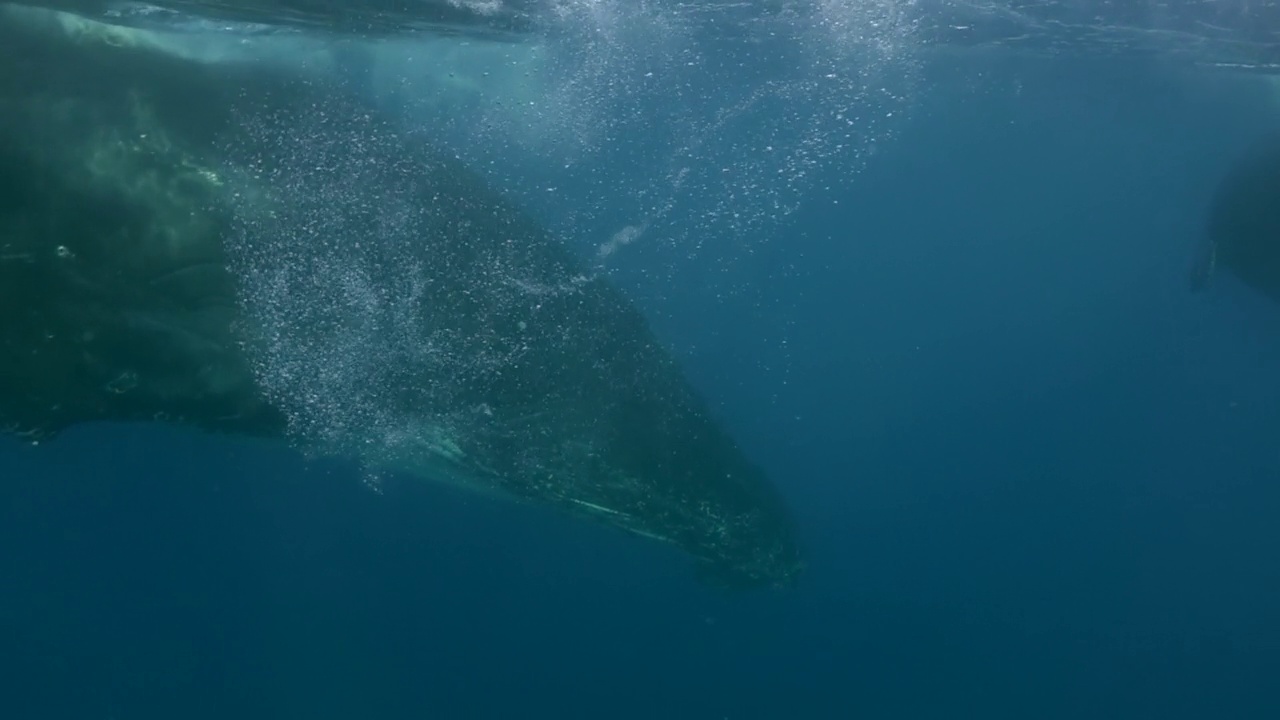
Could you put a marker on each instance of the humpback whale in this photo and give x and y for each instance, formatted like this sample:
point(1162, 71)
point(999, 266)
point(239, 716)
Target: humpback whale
point(1243, 232)
point(228, 248)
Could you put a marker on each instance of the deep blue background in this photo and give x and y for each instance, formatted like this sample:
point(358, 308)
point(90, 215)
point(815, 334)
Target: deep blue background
point(1036, 477)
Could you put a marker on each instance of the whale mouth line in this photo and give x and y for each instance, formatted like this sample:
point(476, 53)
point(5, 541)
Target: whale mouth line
point(177, 275)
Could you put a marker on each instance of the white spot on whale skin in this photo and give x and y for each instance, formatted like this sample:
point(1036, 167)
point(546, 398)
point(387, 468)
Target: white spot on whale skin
point(625, 236)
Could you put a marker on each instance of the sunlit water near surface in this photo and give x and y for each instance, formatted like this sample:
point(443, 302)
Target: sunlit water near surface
point(927, 262)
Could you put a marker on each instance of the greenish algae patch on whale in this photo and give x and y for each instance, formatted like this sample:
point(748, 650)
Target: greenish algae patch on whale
point(227, 247)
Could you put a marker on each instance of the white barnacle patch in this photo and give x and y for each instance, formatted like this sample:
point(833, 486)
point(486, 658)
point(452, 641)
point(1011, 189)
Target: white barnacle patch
point(127, 381)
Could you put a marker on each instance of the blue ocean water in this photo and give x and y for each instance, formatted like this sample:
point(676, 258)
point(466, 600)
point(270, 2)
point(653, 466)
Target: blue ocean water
point(1035, 476)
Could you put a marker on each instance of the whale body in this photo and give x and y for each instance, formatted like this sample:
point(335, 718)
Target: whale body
point(1242, 235)
point(232, 249)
